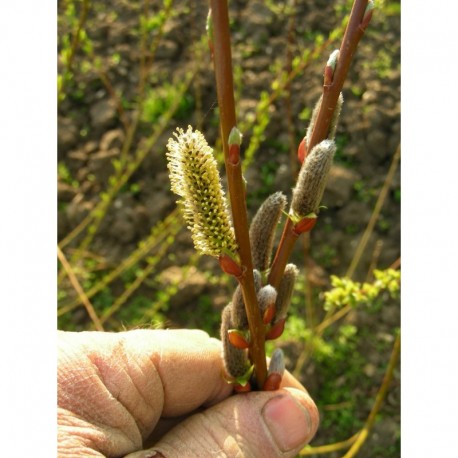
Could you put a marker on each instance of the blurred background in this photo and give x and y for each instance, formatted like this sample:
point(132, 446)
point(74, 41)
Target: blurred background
point(129, 73)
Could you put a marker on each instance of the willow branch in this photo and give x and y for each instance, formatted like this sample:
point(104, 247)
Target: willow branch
point(331, 90)
point(75, 283)
point(236, 186)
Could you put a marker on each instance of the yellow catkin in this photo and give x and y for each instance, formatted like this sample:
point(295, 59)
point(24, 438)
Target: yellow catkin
point(194, 177)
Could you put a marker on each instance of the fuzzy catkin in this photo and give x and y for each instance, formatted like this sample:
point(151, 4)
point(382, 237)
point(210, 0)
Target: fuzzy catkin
point(238, 314)
point(285, 292)
point(277, 362)
point(194, 177)
point(235, 359)
point(312, 180)
point(334, 121)
point(262, 230)
point(266, 296)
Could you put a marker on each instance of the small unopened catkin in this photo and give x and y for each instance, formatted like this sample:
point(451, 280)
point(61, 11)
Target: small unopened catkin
point(332, 125)
point(238, 314)
point(312, 180)
point(235, 359)
point(262, 230)
point(277, 362)
point(267, 296)
point(285, 291)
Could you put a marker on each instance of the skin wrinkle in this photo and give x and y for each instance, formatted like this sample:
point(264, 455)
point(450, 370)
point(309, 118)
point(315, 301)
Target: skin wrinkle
point(118, 391)
point(124, 422)
point(82, 394)
point(129, 395)
point(182, 445)
point(79, 434)
point(190, 355)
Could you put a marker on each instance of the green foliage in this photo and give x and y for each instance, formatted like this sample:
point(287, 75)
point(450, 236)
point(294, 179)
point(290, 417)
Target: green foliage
point(158, 101)
point(348, 292)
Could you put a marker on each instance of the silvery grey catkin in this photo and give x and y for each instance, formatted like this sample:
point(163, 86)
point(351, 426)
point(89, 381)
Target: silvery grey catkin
point(267, 296)
point(285, 291)
point(312, 179)
point(235, 359)
point(238, 313)
point(262, 229)
point(334, 120)
point(277, 362)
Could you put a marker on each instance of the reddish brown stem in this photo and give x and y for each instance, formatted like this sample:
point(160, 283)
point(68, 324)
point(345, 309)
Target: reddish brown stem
point(225, 91)
point(353, 33)
point(288, 239)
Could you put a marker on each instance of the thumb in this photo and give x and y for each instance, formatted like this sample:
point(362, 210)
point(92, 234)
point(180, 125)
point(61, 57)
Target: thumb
point(256, 424)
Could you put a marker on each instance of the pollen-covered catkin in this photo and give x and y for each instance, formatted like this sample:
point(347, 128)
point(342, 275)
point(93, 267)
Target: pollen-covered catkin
point(194, 177)
point(262, 230)
point(235, 359)
point(285, 292)
point(312, 180)
point(238, 314)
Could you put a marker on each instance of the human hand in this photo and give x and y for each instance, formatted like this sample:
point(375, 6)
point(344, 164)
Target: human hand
point(119, 392)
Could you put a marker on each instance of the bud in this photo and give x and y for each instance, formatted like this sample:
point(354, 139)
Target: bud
point(235, 359)
point(229, 266)
point(312, 179)
point(302, 152)
point(305, 224)
point(262, 230)
point(333, 58)
point(285, 292)
point(276, 330)
point(234, 142)
point(238, 339)
point(273, 382)
point(242, 388)
point(367, 16)
point(277, 362)
point(266, 301)
point(194, 177)
point(275, 372)
point(238, 313)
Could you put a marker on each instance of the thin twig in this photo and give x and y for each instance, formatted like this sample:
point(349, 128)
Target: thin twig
point(358, 439)
point(75, 283)
point(364, 433)
point(76, 35)
point(375, 214)
point(329, 448)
